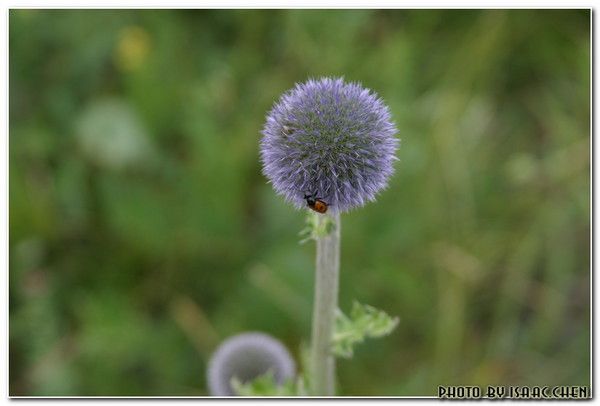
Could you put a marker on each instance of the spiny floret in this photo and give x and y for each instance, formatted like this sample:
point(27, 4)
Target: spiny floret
point(330, 139)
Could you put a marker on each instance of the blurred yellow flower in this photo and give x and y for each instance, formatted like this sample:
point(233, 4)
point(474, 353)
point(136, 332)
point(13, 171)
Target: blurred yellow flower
point(132, 49)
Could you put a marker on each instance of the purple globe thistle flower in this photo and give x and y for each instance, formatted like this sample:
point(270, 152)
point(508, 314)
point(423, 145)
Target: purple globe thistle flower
point(329, 139)
point(247, 356)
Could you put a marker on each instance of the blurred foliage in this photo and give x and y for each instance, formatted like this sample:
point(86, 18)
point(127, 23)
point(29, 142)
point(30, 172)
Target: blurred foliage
point(266, 385)
point(142, 231)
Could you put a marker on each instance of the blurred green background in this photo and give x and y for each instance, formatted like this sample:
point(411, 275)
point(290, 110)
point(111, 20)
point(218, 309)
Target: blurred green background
point(142, 232)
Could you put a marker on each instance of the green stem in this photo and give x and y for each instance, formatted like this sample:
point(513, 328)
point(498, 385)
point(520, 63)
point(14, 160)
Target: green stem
point(325, 305)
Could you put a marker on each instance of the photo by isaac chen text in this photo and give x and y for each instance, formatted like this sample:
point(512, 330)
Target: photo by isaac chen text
point(514, 392)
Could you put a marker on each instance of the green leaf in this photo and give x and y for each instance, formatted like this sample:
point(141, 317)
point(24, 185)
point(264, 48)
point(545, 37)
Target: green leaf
point(265, 385)
point(317, 226)
point(364, 321)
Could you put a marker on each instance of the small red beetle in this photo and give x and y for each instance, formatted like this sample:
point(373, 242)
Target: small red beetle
point(316, 204)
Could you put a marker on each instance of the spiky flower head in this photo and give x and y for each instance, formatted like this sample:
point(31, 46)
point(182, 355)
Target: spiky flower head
point(329, 139)
point(245, 357)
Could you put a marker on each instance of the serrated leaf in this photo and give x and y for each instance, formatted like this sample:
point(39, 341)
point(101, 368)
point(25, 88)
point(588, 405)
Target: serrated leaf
point(317, 226)
point(364, 321)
